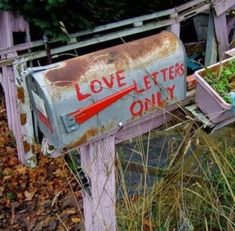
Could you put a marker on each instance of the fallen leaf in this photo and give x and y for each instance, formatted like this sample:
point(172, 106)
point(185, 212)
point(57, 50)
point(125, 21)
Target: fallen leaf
point(1, 190)
point(59, 173)
point(22, 170)
point(7, 171)
point(76, 219)
point(29, 195)
point(70, 211)
point(148, 226)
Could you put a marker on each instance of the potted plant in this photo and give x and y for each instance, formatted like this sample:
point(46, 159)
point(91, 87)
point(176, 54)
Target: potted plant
point(215, 90)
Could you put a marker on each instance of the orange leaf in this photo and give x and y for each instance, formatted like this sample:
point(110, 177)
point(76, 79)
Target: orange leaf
point(29, 195)
point(70, 211)
point(7, 171)
point(148, 226)
point(76, 219)
point(21, 170)
point(10, 151)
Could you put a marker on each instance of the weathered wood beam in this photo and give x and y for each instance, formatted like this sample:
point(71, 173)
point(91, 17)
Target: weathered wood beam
point(14, 96)
point(164, 19)
point(108, 37)
point(97, 29)
point(220, 6)
point(221, 33)
point(230, 53)
point(190, 4)
point(97, 159)
point(211, 45)
point(5, 42)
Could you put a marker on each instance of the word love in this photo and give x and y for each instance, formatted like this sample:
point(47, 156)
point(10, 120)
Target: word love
point(119, 80)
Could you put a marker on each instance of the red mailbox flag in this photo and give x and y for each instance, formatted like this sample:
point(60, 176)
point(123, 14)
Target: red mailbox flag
point(86, 113)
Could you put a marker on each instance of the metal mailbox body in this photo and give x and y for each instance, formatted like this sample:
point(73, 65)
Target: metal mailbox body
point(86, 97)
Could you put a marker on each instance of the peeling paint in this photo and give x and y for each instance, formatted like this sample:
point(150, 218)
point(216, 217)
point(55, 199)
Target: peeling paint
point(23, 118)
point(27, 146)
point(21, 94)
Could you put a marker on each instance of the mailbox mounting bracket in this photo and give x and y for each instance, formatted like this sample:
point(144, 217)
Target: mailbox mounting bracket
point(70, 123)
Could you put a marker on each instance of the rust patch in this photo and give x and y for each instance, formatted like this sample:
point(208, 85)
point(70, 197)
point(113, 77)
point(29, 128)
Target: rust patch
point(35, 148)
point(131, 55)
point(23, 118)
point(27, 146)
point(70, 71)
point(89, 134)
point(20, 94)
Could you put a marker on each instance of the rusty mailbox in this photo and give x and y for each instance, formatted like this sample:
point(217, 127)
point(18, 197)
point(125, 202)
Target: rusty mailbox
point(83, 98)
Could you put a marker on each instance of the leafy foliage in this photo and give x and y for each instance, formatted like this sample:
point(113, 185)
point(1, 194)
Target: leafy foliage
point(80, 14)
point(223, 80)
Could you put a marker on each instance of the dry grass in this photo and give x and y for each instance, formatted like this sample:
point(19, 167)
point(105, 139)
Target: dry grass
point(194, 191)
point(182, 179)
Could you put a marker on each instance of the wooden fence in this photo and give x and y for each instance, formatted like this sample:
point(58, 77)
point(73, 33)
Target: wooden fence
point(16, 58)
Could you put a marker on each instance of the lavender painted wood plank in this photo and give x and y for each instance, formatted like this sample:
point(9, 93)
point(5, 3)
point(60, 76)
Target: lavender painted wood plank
point(5, 42)
point(230, 53)
point(16, 115)
point(190, 4)
point(18, 24)
point(98, 161)
point(221, 34)
point(211, 45)
point(185, 11)
point(220, 6)
point(23, 108)
point(141, 128)
point(175, 27)
point(8, 82)
point(5, 84)
point(87, 201)
point(231, 30)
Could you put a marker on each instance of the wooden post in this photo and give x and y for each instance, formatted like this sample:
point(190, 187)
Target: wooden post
point(221, 32)
point(221, 25)
point(97, 160)
point(175, 27)
point(220, 6)
point(6, 41)
point(211, 46)
point(25, 138)
point(16, 120)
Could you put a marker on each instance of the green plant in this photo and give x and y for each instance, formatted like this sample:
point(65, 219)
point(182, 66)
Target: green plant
point(11, 196)
point(223, 80)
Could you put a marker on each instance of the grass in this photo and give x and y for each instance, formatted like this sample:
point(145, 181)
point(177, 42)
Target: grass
point(184, 179)
point(194, 192)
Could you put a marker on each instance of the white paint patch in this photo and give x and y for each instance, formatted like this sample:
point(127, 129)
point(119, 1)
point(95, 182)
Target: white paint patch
point(39, 103)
